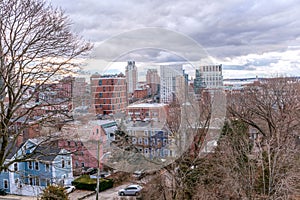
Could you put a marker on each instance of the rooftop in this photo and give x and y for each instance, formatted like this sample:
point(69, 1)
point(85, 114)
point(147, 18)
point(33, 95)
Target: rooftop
point(147, 105)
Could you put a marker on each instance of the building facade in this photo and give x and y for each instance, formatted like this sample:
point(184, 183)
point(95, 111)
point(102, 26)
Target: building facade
point(211, 75)
point(168, 74)
point(108, 93)
point(146, 128)
point(153, 80)
point(47, 166)
point(131, 77)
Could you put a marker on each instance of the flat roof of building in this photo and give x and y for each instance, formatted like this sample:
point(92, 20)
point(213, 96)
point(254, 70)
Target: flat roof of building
point(147, 105)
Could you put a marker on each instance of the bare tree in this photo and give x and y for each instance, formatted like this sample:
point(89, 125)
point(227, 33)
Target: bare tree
point(188, 120)
point(257, 156)
point(271, 110)
point(36, 47)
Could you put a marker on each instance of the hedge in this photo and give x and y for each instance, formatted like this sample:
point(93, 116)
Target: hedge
point(84, 182)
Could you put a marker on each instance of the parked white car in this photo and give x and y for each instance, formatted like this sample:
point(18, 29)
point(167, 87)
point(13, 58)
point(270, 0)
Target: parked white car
point(69, 189)
point(131, 190)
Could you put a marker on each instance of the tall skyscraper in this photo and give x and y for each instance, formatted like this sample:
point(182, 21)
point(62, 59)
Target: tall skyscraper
point(131, 77)
point(168, 74)
point(211, 75)
point(153, 80)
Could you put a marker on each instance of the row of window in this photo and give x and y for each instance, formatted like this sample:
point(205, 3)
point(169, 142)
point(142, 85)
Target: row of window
point(108, 106)
point(149, 133)
point(153, 141)
point(112, 82)
point(36, 165)
point(111, 89)
point(156, 152)
point(31, 181)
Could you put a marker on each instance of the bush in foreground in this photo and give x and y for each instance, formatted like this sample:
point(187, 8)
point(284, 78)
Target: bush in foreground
point(86, 183)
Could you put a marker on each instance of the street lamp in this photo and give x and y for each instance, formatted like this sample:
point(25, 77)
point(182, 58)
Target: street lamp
point(98, 170)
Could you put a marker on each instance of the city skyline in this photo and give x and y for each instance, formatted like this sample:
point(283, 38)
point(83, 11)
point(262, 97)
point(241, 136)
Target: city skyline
point(249, 39)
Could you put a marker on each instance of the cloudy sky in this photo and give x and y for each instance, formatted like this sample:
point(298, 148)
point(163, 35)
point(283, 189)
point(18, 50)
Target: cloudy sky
point(250, 37)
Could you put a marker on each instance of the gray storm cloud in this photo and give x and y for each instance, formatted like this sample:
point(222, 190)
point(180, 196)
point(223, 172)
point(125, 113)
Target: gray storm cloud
point(229, 28)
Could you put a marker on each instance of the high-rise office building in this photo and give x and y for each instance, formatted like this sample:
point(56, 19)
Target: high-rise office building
point(211, 75)
point(153, 80)
point(108, 93)
point(131, 77)
point(198, 82)
point(168, 74)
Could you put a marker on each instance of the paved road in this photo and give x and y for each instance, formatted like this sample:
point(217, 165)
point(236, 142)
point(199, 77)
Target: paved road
point(110, 194)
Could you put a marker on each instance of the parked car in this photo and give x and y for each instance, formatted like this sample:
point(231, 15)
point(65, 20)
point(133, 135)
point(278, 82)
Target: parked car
point(131, 190)
point(69, 189)
point(138, 175)
point(91, 171)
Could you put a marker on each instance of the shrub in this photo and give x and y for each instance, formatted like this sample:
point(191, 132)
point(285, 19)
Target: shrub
point(53, 193)
point(84, 182)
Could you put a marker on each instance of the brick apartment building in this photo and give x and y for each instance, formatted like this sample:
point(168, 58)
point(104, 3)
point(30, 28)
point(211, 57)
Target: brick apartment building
point(108, 93)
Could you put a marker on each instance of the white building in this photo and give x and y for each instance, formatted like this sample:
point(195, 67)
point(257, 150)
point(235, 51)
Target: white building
point(212, 77)
point(168, 74)
point(131, 76)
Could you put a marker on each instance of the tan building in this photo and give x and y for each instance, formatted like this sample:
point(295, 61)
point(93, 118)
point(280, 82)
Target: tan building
point(108, 93)
point(153, 80)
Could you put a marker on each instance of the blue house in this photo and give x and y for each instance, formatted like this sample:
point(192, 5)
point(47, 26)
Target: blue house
point(43, 166)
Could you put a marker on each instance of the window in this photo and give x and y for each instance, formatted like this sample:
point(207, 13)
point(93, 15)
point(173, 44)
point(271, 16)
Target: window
point(29, 164)
point(16, 167)
point(146, 133)
point(100, 82)
point(30, 181)
point(48, 182)
point(166, 152)
point(133, 140)
point(37, 181)
point(5, 183)
point(62, 163)
point(47, 168)
point(165, 141)
point(100, 95)
point(36, 165)
point(69, 162)
point(140, 140)
point(146, 141)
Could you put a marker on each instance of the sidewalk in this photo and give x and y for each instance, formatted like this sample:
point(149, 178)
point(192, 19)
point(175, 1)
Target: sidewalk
point(16, 197)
